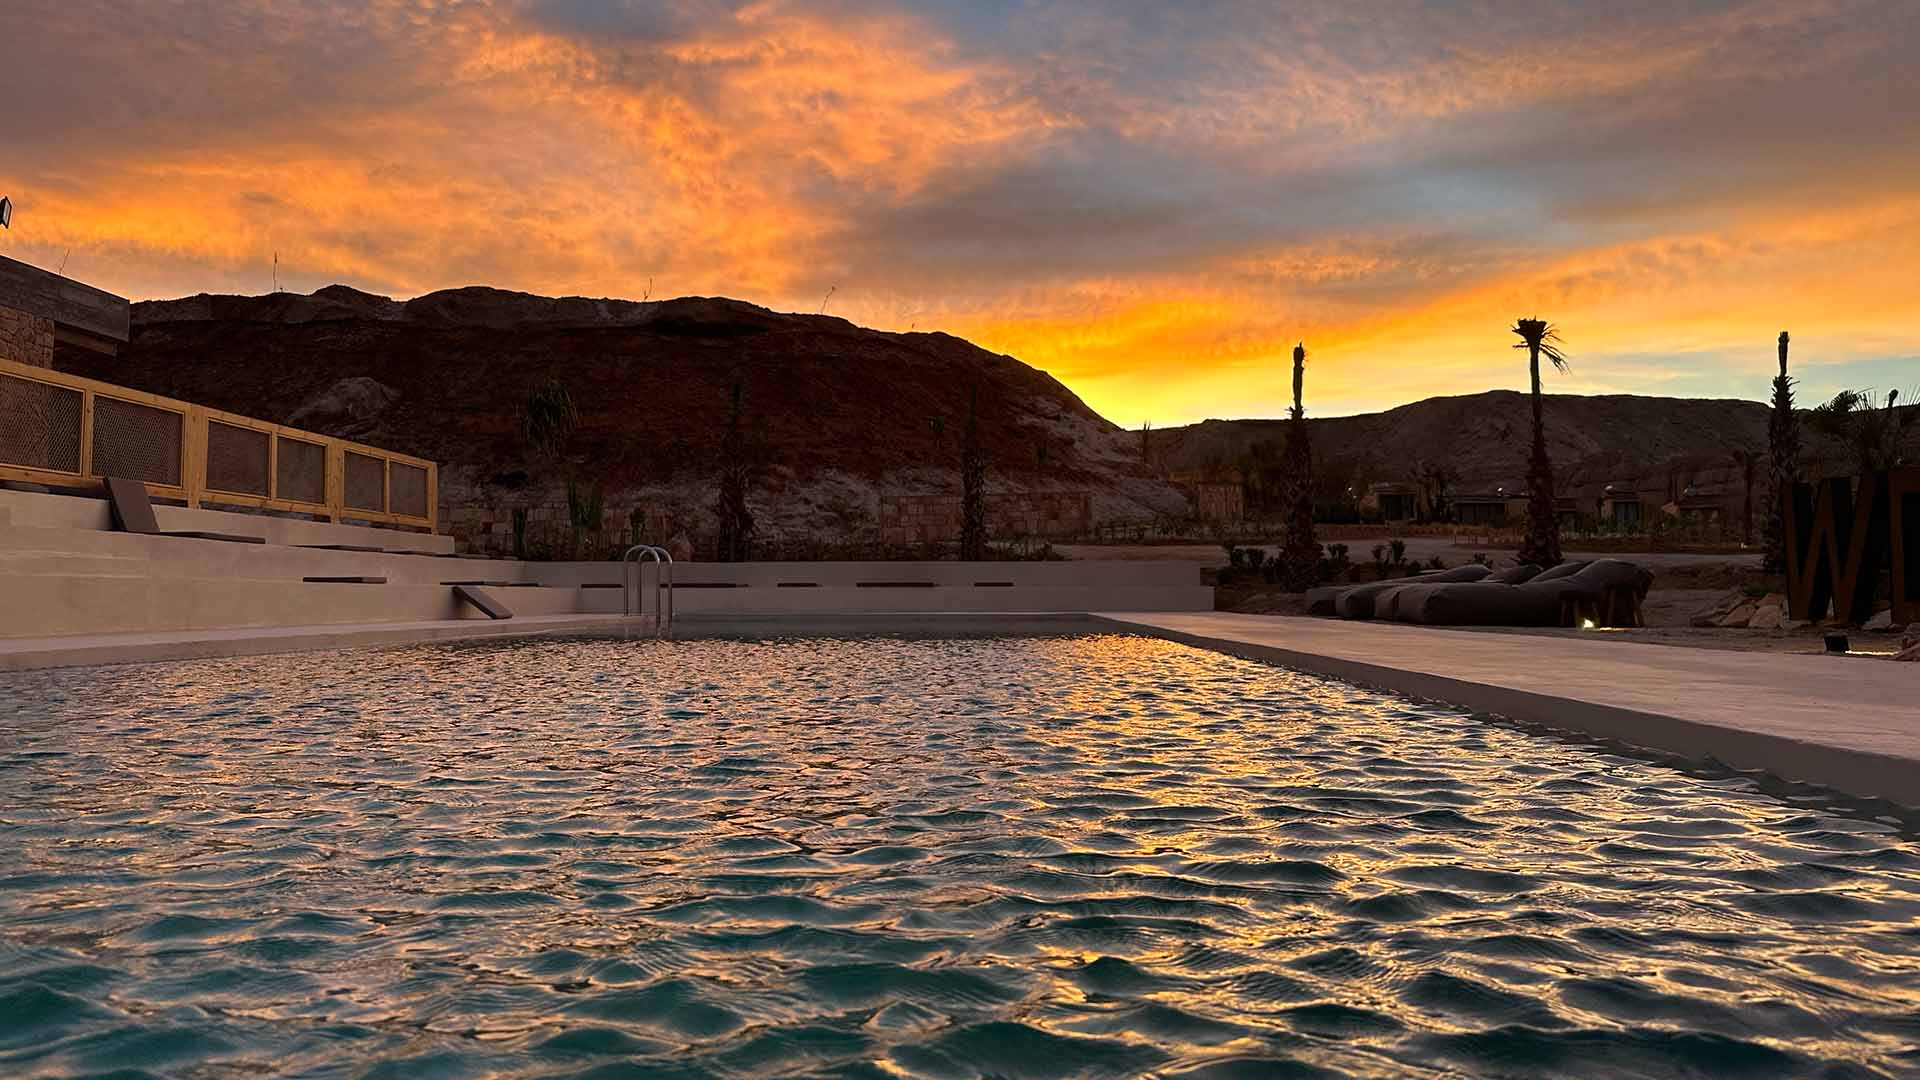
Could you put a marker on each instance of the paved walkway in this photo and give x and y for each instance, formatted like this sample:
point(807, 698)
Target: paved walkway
point(1847, 723)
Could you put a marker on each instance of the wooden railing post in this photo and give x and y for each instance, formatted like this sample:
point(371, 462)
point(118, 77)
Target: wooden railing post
point(336, 481)
point(86, 433)
point(193, 454)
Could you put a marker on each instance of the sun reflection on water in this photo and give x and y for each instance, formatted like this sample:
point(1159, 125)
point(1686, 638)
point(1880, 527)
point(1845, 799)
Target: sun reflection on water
point(1089, 856)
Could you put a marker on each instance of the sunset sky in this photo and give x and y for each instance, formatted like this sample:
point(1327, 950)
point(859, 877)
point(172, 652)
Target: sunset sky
point(1150, 200)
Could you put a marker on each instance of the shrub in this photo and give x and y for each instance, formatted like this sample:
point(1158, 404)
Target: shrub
point(1336, 561)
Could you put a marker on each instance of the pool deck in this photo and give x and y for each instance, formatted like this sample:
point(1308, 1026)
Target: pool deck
point(1852, 724)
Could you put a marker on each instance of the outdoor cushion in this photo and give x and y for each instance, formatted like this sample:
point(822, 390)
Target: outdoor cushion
point(1536, 603)
point(1356, 602)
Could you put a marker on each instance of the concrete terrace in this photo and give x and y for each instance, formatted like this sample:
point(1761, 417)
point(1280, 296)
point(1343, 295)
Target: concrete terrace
point(1846, 723)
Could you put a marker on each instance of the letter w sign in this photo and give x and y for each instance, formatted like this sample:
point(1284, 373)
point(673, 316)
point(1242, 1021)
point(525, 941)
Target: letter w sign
point(1838, 542)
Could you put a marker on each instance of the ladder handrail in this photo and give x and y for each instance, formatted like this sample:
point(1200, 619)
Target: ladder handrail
point(663, 604)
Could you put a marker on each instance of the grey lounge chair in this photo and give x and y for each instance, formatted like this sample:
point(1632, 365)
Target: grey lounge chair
point(133, 512)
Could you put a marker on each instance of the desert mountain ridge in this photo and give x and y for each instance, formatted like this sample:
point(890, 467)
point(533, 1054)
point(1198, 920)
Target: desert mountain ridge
point(837, 414)
point(1483, 438)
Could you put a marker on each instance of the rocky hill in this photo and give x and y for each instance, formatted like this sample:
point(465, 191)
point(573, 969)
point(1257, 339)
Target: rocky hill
point(836, 414)
point(1483, 438)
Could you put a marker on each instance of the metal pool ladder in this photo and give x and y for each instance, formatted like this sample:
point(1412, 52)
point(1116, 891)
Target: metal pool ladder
point(633, 579)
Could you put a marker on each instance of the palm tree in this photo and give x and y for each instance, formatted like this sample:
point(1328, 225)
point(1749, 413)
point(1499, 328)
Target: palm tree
point(973, 475)
point(735, 540)
point(1873, 434)
point(1748, 462)
point(1542, 545)
point(1300, 555)
point(1783, 452)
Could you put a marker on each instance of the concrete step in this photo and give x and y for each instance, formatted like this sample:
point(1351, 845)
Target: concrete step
point(78, 512)
point(44, 605)
point(173, 556)
point(70, 564)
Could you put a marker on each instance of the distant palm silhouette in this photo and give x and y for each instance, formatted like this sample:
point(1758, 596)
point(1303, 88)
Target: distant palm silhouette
point(1300, 555)
point(1783, 453)
point(1542, 545)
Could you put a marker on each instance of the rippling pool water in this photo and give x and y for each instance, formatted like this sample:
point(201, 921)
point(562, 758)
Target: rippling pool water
point(1095, 856)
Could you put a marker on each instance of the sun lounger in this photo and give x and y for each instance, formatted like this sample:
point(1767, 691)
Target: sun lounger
point(346, 580)
point(133, 513)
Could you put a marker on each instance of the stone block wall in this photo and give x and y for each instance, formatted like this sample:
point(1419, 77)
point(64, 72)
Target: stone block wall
point(1219, 502)
point(918, 519)
point(26, 339)
point(487, 529)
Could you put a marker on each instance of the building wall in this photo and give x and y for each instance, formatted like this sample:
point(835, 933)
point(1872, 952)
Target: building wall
point(915, 519)
point(26, 339)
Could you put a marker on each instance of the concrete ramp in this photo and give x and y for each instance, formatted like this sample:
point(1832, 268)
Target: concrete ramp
point(474, 595)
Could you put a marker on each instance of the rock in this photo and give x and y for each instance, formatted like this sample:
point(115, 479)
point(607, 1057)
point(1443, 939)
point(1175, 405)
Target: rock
point(1794, 624)
point(1881, 621)
point(1910, 653)
point(680, 547)
point(350, 404)
point(1714, 612)
point(1767, 617)
point(1739, 616)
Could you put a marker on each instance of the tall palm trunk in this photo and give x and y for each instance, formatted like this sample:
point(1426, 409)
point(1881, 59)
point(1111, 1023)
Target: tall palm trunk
point(973, 476)
point(1783, 452)
point(1542, 545)
point(734, 542)
point(1300, 554)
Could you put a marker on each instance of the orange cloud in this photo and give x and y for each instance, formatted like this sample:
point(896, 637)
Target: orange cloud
point(1151, 203)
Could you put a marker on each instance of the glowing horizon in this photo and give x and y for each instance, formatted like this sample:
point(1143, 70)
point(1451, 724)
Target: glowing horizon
point(1151, 203)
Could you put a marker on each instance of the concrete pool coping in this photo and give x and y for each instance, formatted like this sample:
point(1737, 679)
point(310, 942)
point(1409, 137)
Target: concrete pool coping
point(92, 650)
point(1850, 725)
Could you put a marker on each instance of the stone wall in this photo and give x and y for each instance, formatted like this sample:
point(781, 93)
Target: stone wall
point(918, 519)
point(488, 529)
point(26, 339)
point(1219, 502)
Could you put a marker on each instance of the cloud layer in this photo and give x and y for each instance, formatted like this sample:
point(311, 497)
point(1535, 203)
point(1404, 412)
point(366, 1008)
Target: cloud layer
point(1152, 201)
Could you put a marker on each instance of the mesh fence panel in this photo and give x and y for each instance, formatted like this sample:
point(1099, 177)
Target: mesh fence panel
point(39, 425)
point(366, 482)
point(236, 459)
point(409, 494)
point(301, 471)
point(137, 442)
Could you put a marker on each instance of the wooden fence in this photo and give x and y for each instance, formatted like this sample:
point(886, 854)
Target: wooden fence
point(64, 430)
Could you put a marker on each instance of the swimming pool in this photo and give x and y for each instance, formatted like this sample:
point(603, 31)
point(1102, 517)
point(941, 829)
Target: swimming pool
point(1077, 856)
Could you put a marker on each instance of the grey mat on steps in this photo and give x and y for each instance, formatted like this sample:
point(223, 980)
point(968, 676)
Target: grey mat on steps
point(492, 608)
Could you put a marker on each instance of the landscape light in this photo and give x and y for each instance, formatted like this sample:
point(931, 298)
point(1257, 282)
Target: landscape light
point(6, 212)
